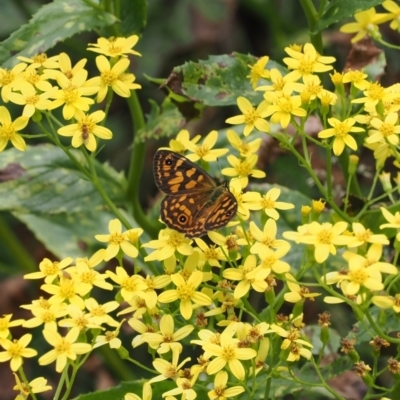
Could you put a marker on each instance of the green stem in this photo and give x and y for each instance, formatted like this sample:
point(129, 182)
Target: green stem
point(320, 186)
point(312, 19)
point(136, 169)
point(14, 246)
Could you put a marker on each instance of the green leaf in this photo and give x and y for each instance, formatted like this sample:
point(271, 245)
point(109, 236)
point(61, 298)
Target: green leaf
point(53, 23)
point(133, 16)
point(136, 387)
point(164, 121)
point(218, 81)
point(338, 10)
point(45, 190)
point(69, 234)
point(42, 180)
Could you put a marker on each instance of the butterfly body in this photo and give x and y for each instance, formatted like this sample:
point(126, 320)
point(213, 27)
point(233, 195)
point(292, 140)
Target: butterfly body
point(194, 203)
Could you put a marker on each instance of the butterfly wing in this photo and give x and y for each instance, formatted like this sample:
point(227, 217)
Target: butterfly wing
point(194, 203)
point(175, 175)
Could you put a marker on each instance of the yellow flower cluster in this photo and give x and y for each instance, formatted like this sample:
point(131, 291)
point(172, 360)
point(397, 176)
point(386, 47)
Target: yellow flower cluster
point(41, 84)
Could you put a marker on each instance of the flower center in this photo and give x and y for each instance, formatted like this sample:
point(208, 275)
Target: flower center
point(325, 236)
point(375, 91)
point(359, 276)
point(229, 353)
point(108, 77)
point(62, 347)
point(7, 131)
point(185, 291)
point(386, 129)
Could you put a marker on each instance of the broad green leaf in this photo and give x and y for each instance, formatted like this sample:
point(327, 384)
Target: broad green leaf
point(218, 81)
point(44, 189)
point(68, 234)
point(42, 180)
point(339, 10)
point(133, 16)
point(53, 23)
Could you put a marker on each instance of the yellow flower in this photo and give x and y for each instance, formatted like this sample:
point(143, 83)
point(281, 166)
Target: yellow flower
point(211, 254)
point(221, 391)
point(66, 68)
point(272, 259)
point(49, 270)
point(307, 62)
point(394, 221)
point(168, 370)
point(362, 236)
point(205, 150)
point(6, 324)
point(111, 338)
point(243, 168)
point(361, 273)
point(323, 236)
point(9, 130)
point(167, 338)
point(244, 200)
point(297, 293)
point(180, 142)
point(283, 107)
point(341, 131)
point(79, 318)
point(47, 314)
point(248, 276)
point(251, 117)
point(118, 240)
point(114, 78)
point(186, 292)
point(71, 94)
point(85, 129)
point(64, 348)
point(88, 276)
point(115, 46)
point(258, 71)
point(30, 99)
point(37, 385)
point(374, 93)
point(99, 313)
point(279, 83)
point(16, 350)
point(146, 395)
point(67, 290)
point(130, 285)
point(244, 148)
point(387, 130)
point(269, 204)
point(293, 342)
point(41, 61)
point(184, 386)
point(168, 242)
point(228, 352)
point(366, 24)
point(387, 302)
point(357, 78)
point(266, 238)
point(394, 11)
point(10, 79)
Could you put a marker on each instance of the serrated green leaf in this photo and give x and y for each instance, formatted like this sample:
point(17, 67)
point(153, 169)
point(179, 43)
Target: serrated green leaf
point(133, 16)
point(339, 10)
point(42, 180)
point(218, 81)
point(164, 121)
point(53, 23)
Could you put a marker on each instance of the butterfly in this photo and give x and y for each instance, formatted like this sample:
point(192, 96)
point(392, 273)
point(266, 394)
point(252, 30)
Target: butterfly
point(194, 203)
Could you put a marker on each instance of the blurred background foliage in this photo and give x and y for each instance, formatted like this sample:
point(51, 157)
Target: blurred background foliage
point(177, 31)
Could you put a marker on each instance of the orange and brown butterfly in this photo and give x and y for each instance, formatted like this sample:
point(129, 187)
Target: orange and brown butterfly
point(194, 203)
